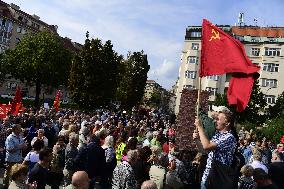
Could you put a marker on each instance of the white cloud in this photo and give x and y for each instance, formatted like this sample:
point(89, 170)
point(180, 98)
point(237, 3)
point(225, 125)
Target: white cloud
point(157, 27)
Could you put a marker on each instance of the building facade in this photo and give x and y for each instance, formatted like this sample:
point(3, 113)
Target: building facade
point(14, 25)
point(264, 47)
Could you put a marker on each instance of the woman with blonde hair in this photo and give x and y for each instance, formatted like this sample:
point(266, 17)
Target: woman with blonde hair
point(19, 173)
point(246, 181)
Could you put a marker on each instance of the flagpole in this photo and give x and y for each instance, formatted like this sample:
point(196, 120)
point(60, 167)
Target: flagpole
point(198, 97)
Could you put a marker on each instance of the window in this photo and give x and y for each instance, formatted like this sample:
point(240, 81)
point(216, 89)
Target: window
point(213, 77)
point(269, 83)
point(271, 39)
point(255, 51)
point(20, 18)
point(19, 29)
point(212, 91)
point(240, 38)
point(272, 51)
point(188, 87)
point(3, 22)
point(255, 39)
point(195, 34)
point(192, 59)
point(18, 40)
point(270, 99)
point(270, 67)
point(35, 25)
point(24, 31)
point(190, 74)
point(195, 46)
point(11, 85)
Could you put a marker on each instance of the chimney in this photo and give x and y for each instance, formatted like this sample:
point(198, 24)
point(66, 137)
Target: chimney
point(36, 17)
point(14, 6)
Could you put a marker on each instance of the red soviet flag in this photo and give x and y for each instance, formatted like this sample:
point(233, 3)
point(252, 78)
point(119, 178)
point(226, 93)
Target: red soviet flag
point(17, 102)
point(57, 101)
point(222, 54)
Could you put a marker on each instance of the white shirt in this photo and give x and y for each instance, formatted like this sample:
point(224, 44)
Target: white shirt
point(146, 143)
point(32, 157)
point(257, 164)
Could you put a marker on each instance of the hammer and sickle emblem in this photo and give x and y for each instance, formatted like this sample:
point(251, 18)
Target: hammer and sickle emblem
point(215, 35)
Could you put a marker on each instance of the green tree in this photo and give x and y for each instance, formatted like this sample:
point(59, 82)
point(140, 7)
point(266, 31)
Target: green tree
point(220, 100)
point(39, 59)
point(255, 110)
point(277, 109)
point(156, 98)
point(274, 129)
point(133, 77)
point(94, 74)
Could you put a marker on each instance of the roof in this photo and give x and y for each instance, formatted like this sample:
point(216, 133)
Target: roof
point(71, 46)
point(4, 10)
point(258, 31)
point(7, 6)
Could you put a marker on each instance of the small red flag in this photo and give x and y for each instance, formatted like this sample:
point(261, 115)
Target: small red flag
point(16, 102)
point(222, 54)
point(56, 103)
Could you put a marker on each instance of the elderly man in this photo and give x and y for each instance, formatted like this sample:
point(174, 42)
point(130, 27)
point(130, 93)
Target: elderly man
point(80, 180)
point(276, 168)
point(149, 184)
point(123, 174)
point(14, 145)
point(71, 152)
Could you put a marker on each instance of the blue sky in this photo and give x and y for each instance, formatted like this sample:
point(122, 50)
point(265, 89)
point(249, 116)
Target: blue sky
point(156, 26)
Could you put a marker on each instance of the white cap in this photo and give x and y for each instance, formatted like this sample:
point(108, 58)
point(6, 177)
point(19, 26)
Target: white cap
point(220, 109)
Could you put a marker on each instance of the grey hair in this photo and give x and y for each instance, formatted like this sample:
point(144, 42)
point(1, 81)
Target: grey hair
point(73, 137)
point(132, 155)
point(257, 155)
point(149, 184)
point(109, 141)
point(149, 135)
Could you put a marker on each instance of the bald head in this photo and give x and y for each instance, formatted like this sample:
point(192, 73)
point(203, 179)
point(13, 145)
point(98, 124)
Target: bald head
point(149, 184)
point(80, 180)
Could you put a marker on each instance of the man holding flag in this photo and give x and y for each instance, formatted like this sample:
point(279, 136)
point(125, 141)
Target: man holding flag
point(222, 54)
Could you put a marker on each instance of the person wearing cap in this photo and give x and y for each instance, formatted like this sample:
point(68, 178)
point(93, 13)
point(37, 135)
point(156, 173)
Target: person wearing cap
point(40, 136)
point(14, 145)
point(221, 147)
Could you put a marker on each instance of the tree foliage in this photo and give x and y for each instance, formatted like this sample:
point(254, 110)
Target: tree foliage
point(133, 76)
point(255, 110)
point(277, 109)
point(156, 98)
point(221, 100)
point(94, 73)
point(39, 59)
point(273, 130)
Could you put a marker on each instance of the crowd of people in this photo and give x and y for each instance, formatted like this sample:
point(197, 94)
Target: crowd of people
point(130, 150)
